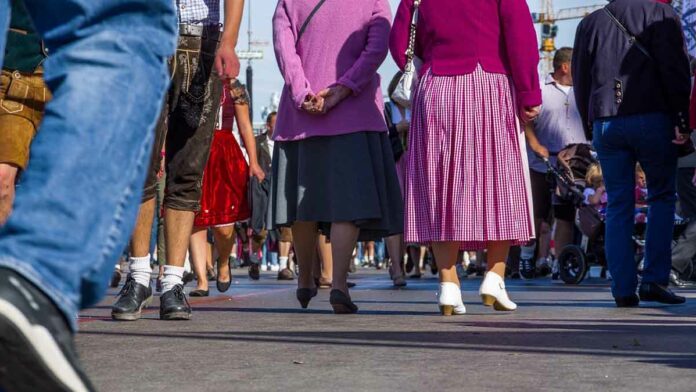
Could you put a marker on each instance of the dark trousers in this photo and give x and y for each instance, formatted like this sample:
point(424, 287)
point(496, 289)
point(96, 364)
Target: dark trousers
point(621, 142)
point(187, 123)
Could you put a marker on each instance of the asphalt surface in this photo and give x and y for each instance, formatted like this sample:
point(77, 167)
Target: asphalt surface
point(257, 338)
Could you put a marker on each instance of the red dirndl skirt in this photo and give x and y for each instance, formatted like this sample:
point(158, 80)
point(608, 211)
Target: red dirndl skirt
point(224, 198)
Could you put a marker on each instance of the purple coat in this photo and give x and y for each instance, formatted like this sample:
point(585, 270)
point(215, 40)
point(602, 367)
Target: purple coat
point(345, 43)
point(453, 36)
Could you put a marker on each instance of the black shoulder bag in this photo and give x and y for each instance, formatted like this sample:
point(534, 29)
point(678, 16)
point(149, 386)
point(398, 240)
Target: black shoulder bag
point(684, 149)
point(631, 38)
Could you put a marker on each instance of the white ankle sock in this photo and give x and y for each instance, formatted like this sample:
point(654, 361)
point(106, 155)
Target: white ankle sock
point(140, 269)
point(172, 277)
point(528, 251)
point(283, 261)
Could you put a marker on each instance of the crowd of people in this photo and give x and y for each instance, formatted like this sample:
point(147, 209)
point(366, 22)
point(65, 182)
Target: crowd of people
point(99, 98)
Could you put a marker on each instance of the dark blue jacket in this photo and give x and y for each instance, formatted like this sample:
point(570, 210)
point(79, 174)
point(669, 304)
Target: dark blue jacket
point(613, 77)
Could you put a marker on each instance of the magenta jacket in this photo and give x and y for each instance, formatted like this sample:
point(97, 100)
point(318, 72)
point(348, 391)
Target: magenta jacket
point(453, 36)
point(345, 43)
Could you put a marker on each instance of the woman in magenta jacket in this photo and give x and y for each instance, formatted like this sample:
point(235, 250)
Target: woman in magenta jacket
point(333, 168)
point(468, 185)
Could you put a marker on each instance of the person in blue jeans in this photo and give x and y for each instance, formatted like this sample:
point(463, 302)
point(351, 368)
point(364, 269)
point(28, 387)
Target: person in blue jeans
point(632, 88)
point(75, 210)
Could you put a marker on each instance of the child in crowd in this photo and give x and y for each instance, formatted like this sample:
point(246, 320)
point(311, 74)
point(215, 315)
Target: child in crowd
point(641, 193)
point(595, 193)
point(641, 188)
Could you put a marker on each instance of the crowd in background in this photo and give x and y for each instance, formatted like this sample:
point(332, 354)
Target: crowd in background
point(471, 171)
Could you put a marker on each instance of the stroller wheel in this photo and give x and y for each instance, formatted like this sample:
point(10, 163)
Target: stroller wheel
point(572, 264)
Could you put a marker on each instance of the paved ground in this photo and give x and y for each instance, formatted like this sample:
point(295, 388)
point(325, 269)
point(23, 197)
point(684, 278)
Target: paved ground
point(561, 339)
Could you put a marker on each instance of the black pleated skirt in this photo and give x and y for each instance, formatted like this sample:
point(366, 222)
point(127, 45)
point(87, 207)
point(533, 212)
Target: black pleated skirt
point(345, 178)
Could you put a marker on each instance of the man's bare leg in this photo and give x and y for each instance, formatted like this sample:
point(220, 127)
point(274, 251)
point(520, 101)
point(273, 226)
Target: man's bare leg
point(198, 253)
point(140, 241)
point(139, 260)
point(178, 226)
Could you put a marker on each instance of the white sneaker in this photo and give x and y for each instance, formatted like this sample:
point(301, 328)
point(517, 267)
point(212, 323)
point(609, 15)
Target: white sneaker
point(275, 268)
point(493, 293)
point(264, 267)
point(450, 299)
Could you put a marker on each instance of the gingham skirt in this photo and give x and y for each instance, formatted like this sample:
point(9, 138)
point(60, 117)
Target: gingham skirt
point(468, 178)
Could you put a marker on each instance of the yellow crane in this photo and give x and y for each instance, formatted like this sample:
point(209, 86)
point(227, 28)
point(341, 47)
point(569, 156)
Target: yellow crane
point(547, 18)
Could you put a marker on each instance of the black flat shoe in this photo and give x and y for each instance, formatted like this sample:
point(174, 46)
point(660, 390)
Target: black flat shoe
point(350, 285)
point(306, 295)
point(254, 272)
point(627, 302)
point(199, 293)
point(653, 292)
point(415, 276)
point(221, 285)
point(341, 303)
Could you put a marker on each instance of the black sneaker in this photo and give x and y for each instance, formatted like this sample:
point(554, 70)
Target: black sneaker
point(254, 271)
point(36, 343)
point(543, 269)
point(133, 298)
point(527, 268)
point(174, 306)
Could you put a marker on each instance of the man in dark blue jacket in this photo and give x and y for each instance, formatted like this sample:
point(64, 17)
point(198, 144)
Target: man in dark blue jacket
point(632, 87)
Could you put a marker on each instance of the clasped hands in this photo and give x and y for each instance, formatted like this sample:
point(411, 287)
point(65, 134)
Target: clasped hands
point(325, 100)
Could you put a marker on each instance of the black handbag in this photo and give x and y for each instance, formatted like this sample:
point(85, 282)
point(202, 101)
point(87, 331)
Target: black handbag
point(397, 145)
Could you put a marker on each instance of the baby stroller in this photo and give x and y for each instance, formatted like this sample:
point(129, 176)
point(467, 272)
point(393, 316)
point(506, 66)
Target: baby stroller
point(576, 259)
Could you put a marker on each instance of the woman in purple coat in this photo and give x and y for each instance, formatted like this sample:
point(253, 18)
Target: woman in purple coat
point(333, 169)
point(467, 185)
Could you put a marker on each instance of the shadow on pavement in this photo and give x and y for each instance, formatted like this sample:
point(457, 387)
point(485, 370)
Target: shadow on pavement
point(669, 344)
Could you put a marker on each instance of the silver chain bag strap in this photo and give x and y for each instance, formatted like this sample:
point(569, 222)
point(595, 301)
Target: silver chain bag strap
point(403, 94)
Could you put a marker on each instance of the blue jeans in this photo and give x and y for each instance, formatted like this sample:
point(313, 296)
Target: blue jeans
point(620, 143)
point(80, 194)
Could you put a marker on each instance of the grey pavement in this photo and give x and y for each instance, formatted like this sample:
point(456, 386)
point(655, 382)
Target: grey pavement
point(256, 338)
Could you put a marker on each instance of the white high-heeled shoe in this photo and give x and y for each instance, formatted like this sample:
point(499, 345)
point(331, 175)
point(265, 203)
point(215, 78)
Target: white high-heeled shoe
point(493, 293)
point(450, 299)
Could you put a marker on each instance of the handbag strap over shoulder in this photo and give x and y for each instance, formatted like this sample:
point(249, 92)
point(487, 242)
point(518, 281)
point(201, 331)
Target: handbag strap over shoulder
point(411, 50)
point(309, 19)
point(631, 38)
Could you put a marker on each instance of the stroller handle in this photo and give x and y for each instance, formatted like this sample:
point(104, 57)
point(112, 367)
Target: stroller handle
point(577, 194)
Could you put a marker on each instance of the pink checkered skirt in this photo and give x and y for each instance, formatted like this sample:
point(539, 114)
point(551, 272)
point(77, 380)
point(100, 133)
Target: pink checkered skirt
point(467, 178)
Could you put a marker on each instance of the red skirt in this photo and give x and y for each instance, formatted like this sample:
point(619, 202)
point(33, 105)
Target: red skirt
point(225, 198)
